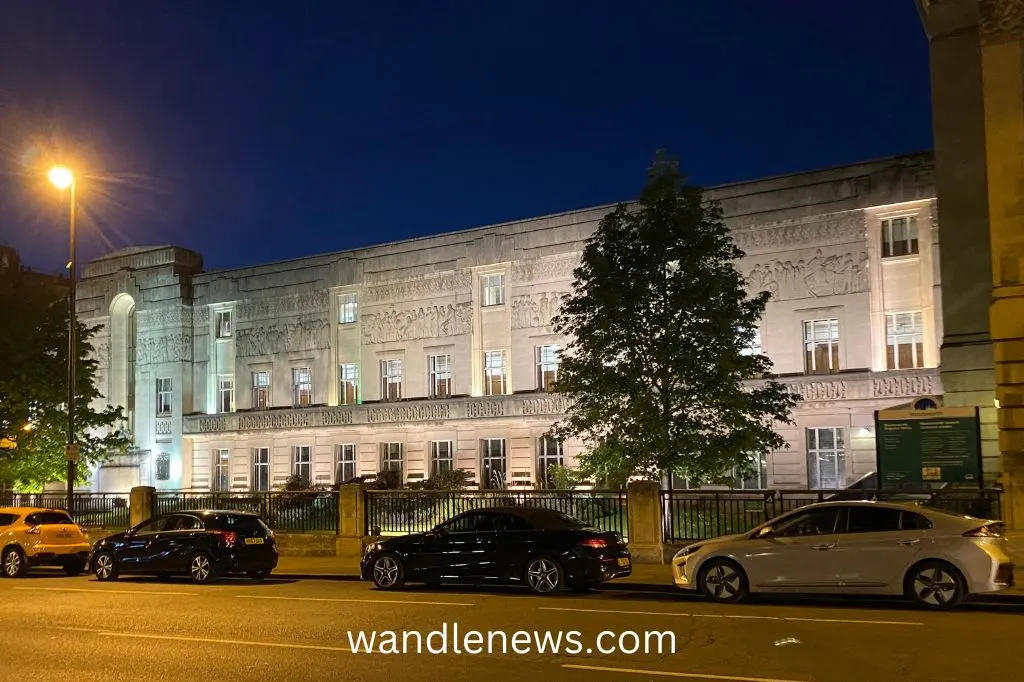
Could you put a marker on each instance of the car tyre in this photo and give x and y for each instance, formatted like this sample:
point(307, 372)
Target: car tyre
point(388, 572)
point(723, 580)
point(544, 575)
point(73, 567)
point(201, 569)
point(104, 566)
point(935, 585)
point(13, 563)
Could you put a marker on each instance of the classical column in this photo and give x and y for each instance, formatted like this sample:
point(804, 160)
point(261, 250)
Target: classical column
point(977, 58)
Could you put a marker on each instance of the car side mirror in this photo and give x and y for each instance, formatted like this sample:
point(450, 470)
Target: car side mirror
point(765, 532)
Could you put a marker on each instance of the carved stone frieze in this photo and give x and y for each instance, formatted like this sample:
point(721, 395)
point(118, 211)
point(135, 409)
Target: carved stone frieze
point(101, 353)
point(164, 426)
point(545, 269)
point(1001, 20)
point(904, 386)
point(815, 391)
point(165, 318)
point(166, 348)
point(201, 316)
point(535, 310)
point(426, 287)
point(548, 405)
point(277, 338)
point(839, 228)
point(821, 275)
point(409, 413)
point(418, 323)
point(316, 302)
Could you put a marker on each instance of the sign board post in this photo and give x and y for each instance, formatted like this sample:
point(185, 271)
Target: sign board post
point(71, 452)
point(918, 449)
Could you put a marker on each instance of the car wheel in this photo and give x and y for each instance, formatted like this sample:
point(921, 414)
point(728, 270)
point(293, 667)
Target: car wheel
point(73, 567)
point(13, 563)
point(544, 575)
point(388, 572)
point(200, 568)
point(935, 585)
point(723, 580)
point(104, 567)
point(258, 575)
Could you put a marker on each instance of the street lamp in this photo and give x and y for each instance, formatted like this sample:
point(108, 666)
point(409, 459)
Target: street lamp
point(63, 179)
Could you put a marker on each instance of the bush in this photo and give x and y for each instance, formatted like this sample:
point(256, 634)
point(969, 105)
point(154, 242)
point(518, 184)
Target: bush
point(453, 479)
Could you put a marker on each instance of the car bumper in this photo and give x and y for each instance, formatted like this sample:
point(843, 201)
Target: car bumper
point(681, 575)
point(47, 558)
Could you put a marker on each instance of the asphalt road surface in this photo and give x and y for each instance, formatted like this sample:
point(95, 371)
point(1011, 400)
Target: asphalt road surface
point(58, 628)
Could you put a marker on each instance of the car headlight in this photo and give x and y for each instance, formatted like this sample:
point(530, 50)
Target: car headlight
point(687, 551)
point(372, 547)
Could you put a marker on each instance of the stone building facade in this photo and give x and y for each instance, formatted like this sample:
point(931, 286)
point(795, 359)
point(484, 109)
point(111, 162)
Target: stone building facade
point(436, 352)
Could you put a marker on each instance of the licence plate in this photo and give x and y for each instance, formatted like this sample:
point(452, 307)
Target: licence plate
point(254, 541)
point(623, 561)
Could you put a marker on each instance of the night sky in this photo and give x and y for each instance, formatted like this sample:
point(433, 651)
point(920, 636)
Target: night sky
point(258, 131)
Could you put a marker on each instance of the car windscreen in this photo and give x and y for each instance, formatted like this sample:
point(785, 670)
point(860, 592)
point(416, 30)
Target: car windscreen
point(7, 519)
point(554, 520)
point(244, 524)
point(49, 518)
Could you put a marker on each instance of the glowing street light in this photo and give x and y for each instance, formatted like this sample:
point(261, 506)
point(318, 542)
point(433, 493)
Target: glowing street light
point(61, 177)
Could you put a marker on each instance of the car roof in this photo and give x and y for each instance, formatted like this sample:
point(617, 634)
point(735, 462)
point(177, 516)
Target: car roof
point(929, 512)
point(29, 510)
point(203, 512)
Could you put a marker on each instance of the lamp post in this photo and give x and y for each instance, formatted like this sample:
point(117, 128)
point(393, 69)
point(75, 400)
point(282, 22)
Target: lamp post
point(64, 179)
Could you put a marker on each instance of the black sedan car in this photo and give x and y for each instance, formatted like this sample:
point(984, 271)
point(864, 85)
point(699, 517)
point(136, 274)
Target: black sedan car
point(202, 544)
point(544, 549)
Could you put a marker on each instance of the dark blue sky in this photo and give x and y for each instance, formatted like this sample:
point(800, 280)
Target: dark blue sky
point(258, 131)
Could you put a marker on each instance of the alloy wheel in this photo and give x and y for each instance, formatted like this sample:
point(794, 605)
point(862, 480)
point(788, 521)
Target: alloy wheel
point(543, 576)
point(200, 568)
point(103, 566)
point(935, 586)
point(722, 582)
point(12, 564)
point(385, 572)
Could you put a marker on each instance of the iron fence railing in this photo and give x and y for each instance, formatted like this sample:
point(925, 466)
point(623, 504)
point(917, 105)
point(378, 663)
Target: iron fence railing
point(400, 512)
point(283, 510)
point(690, 515)
point(99, 510)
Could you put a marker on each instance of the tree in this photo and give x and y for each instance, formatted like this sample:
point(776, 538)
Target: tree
point(33, 387)
point(658, 369)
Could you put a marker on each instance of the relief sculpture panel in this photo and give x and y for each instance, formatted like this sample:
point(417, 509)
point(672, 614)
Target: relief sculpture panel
point(316, 302)
point(423, 323)
point(442, 285)
point(168, 348)
point(822, 275)
point(834, 229)
point(546, 269)
point(276, 338)
point(535, 310)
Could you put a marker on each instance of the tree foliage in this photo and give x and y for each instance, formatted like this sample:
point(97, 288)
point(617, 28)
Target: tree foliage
point(658, 370)
point(33, 387)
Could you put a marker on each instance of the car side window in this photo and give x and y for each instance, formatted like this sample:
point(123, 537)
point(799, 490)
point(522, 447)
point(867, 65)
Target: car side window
point(7, 519)
point(54, 518)
point(508, 522)
point(151, 526)
point(814, 522)
point(467, 523)
point(864, 519)
point(914, 521)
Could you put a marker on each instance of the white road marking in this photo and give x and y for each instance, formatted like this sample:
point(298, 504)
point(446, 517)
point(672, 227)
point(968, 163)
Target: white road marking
point(102, 591)
point(358, 601)
point(236, 642)
point(738, 616)
point(669, 673)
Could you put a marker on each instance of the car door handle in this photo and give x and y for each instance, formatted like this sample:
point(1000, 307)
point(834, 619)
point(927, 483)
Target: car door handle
point(908, 543)
point(825, 547)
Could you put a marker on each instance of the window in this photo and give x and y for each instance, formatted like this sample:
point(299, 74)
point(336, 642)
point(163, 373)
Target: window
point(754, 478)
point(346, 468)
point(163, 467)
point(391, 458)
point(348, 384)
point(753, 347)
point(547, 366)
point(302, 462)
point(347, 308)
point(904, 341)
point(225, 393)
point(222, 322)
point(494, 463)
point(864, 519)
point(442, 457)
point(221, 470)
point(826, 458)
point(471, 522)
point(261, 469)
point(494, 289)
point(49, 518)
point(390, 379)
point(821, 346)
point(302, 387)
point(260, 390)
point(549, 453)
point(163, 396)
point(494, 372)
point(899, 237)
point(821, 521)
point(440, 375)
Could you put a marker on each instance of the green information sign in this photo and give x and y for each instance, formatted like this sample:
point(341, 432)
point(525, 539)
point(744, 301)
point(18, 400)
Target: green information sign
point(919, 449)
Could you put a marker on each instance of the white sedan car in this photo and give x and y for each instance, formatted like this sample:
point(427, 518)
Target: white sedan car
point(871, 548)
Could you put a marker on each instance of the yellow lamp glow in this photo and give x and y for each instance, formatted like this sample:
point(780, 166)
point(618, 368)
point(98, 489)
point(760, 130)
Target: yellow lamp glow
point(61, 177)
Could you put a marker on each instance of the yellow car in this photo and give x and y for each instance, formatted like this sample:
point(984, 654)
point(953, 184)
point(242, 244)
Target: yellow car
point(40, 537)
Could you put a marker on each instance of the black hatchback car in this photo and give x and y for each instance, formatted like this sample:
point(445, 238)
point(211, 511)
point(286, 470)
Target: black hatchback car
point(202, 544)
point(543, 549)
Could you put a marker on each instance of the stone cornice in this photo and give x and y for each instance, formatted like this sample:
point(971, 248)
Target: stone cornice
point(828, 388)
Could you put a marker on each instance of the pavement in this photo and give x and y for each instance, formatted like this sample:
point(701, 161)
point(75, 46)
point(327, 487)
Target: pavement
point(59, 628)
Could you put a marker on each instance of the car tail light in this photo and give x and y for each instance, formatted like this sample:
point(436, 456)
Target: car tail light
point(989, 530)
point(594, 543)
point(228, 538)
point(33, 530)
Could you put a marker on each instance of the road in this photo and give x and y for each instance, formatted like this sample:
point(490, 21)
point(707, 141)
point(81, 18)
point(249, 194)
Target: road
point(57, 628)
